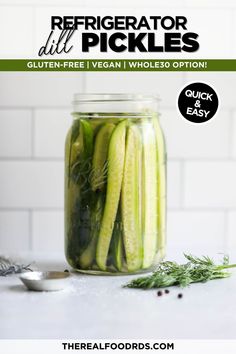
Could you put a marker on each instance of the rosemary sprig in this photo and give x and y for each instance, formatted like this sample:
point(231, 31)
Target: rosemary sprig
point(194, 271)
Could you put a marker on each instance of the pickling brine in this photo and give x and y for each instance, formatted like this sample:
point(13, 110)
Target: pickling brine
point(115, 185)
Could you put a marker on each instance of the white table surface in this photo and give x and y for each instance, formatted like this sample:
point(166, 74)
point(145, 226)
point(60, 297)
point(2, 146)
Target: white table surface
point(98, 307)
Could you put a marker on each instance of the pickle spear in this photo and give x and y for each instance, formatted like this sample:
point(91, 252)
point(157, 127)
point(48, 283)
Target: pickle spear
point(161, 163)
point(130, 200)
point(116, 156)
point(87, 138)
point(88, 255)
point(118, 245)
point(150, 222)
point(79, 174)
point(117, 251)
point(99, 162)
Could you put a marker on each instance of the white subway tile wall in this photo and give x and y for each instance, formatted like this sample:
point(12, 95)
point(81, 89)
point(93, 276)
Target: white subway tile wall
point(210, 140)
point(15, 133)
point(14, 230)
point(174, 198)
point(94, 3)
point(31, 184)
point(11, 16)
point(224, 87)
point(44, 225)
point(197, 230)
point(50, 126)
point(210, 184)
point(34, 118)
point(165, 84)
point(211, 3)
point(231, 221)
point(41, 89)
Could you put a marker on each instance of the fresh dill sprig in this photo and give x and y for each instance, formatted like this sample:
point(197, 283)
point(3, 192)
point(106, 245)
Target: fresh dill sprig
point(8, 267)
point(194, 271)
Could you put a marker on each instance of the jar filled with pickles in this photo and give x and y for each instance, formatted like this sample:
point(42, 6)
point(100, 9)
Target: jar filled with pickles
point(115, 185)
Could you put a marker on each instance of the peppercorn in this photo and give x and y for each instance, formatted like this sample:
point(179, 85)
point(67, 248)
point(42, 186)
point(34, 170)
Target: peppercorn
point(159, 293)
point(167, 291)
point(180, 296)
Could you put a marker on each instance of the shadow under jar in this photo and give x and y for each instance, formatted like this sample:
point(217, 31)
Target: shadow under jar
point(115, 185)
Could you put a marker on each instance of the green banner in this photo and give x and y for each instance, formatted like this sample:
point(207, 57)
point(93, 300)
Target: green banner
point(117, 65)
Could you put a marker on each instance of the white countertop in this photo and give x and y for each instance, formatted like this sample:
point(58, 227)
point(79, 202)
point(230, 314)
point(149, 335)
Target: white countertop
point(98, 307)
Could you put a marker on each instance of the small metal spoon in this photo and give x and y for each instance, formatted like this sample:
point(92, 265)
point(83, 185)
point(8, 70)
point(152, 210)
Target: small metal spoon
point(45, 281)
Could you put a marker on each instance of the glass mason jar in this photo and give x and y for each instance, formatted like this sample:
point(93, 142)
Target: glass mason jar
point(115, 185)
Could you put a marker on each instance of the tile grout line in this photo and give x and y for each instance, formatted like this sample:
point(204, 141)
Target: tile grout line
point(182, 183)
point(31, 159)
point(226, 241)
point(170, 209)
point(33, 9)
point(86, 6)
point(231, 134)
point(203, 159)
point(200, 210)
point(184, 78)
point(30, 245)
point(84, 86)
point(35, 107)
point(25, 209)
point(171, 159)
point(32, 133)
point(231, 29)
point(84, 83)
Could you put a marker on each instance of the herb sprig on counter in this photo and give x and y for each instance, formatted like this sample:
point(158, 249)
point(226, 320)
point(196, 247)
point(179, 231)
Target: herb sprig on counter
point(9, 267)
point(196, 270)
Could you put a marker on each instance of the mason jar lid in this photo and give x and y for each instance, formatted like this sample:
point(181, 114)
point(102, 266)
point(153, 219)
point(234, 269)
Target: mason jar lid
point(114, 103)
